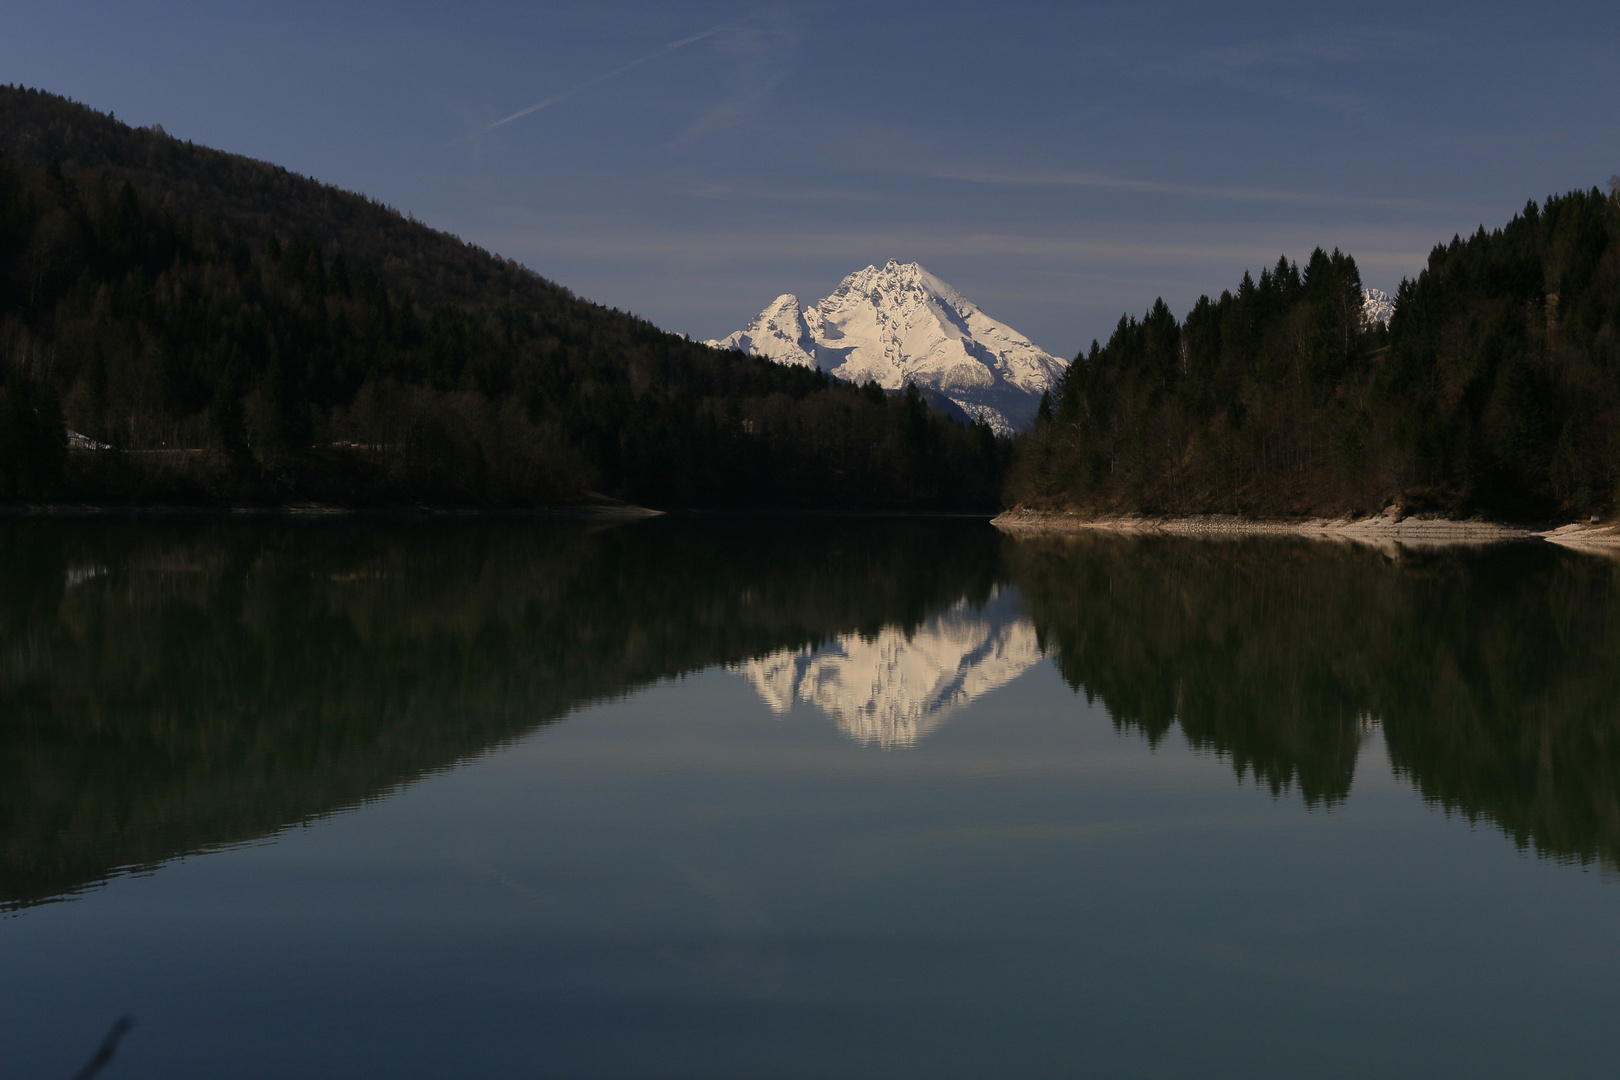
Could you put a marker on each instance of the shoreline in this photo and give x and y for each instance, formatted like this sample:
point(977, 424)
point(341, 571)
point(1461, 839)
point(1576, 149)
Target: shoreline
point(1387, 528)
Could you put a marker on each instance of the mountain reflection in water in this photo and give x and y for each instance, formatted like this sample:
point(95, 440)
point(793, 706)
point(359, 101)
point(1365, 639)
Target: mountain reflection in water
point(893, 687)
point(169, 688)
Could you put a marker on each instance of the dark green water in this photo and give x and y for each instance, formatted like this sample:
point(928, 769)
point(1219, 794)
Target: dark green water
point(801, 797)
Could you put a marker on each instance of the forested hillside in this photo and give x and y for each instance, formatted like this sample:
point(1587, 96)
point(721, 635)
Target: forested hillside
point(1494, 390)
point(231, 331)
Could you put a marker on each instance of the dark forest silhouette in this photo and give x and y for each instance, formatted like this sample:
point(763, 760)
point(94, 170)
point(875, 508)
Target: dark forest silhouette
point(236, 332)
point(1495, 388)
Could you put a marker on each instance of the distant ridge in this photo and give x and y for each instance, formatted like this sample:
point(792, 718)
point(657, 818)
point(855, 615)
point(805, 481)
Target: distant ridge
point(899, 324)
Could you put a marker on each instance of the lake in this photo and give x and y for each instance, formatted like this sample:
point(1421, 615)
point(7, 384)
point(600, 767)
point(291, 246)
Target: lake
point(801, 797)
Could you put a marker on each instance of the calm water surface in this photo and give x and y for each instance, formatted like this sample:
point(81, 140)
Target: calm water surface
point(802, 798)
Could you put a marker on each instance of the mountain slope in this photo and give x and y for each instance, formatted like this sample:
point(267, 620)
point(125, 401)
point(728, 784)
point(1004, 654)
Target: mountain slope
point(241, 333)
point(899, 324)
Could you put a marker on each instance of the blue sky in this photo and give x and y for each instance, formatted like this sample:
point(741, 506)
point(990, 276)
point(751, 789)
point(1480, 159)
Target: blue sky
point(1058, 163)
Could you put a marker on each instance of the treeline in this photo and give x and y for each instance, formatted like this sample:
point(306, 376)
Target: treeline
point(231, 331)
point(1495, 388)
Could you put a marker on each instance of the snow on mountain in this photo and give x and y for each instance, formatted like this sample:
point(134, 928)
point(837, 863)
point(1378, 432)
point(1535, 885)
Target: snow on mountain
point(895, 688)
point(779, 332)
point(1377, 306)
point(900, 324)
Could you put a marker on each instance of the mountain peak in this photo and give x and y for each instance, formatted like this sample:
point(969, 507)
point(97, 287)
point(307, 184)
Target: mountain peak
point(900, 324)
point(1377, 306)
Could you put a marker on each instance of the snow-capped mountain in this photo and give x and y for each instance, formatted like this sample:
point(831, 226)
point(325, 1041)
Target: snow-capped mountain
point(893, 689)
point(898, 324)
point(1377, 306)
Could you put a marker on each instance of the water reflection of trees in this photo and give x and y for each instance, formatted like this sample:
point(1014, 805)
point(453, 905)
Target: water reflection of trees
point(170, 687)
point(1495, 674)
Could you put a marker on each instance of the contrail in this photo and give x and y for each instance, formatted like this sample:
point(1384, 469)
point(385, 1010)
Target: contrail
point(588, 83)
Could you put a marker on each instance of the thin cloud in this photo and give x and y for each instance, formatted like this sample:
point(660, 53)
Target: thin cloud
point(691, 248)
point(772, 193)
point(1296, 68)
point(757, 58)
point(1199, 191)
point(1342, 45)
point(588, 83)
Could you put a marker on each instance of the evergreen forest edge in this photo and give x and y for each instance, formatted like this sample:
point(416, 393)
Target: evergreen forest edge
point(1494, 390)
point(242, 334)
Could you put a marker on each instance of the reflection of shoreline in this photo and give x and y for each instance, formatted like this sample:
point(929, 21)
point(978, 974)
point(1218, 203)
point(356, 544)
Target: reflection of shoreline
point(894, 688)
point(1386, 529)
